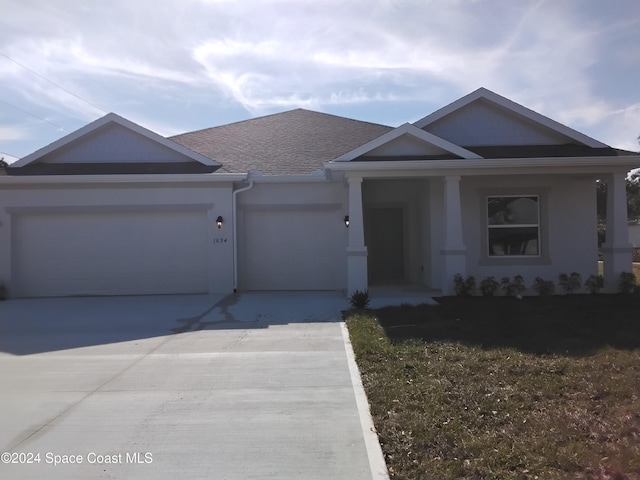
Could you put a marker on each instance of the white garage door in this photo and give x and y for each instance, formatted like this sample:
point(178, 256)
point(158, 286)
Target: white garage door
point(110, 253)
point(292, 250)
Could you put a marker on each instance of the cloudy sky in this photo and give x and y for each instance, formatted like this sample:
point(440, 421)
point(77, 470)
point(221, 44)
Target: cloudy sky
point(175, 66)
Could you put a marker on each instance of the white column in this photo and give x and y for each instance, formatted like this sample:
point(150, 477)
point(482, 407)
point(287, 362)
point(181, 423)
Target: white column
point(616, 250)
point(356, 250)
point(454, 250)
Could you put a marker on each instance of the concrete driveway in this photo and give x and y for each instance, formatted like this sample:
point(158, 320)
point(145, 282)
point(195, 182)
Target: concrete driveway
point(254, 386)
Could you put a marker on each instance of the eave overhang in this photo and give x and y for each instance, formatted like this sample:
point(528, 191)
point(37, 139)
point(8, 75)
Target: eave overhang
point(159, 179)
point(501, 166)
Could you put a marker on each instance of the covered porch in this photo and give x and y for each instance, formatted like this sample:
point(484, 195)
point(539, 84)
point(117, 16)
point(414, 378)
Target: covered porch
point(409, 235)
point(405, 234)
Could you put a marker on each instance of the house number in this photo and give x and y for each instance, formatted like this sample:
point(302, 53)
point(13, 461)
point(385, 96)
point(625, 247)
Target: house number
point(219, 240)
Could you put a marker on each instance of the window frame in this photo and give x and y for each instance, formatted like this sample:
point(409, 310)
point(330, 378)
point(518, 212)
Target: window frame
point(507, 226)
point(543, 257)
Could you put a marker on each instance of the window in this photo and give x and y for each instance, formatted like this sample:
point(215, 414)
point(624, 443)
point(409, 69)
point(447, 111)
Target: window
point(513, 224)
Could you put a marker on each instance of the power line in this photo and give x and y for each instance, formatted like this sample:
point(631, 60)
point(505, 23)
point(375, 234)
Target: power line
point(36, 116)
point(53, 83)
point(8, 154)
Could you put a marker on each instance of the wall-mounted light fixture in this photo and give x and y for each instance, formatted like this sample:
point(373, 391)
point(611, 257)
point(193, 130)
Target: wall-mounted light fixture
point(346, 221)
point(219, 221)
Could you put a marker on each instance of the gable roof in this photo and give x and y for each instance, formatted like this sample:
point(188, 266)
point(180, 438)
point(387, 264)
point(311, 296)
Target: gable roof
point(432, 146)
point(534, 119)
point(59, 157)
point(299, 142)
point(294, 142)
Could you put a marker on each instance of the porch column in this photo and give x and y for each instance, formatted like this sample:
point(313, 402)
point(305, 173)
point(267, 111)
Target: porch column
point(454, 250)
point(616, 250)
point(356, 250)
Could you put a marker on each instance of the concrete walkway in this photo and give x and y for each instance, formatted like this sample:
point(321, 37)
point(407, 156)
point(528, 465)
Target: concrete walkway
point(255, 386)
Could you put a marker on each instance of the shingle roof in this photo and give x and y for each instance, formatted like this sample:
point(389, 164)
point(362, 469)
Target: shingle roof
point(294, 142)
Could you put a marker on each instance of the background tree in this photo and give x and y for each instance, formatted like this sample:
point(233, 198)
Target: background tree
point(633, 201)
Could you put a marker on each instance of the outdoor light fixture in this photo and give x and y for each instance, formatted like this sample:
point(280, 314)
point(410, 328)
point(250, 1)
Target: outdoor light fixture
point(346, 221)
point(219, 221)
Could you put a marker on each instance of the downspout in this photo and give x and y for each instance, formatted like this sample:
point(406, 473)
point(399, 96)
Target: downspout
point(235, 234)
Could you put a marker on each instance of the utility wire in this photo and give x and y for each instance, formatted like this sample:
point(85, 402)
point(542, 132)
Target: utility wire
point(36, 116)
point(53, 83)
point(8, 154)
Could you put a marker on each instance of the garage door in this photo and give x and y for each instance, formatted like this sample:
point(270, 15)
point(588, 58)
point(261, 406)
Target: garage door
point(292, 250)
point(110, 253)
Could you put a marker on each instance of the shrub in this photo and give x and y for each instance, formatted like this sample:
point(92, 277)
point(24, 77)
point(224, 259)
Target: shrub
point(594, 284)
point(464, 287)
point(489, 286)
point(360, 299)
point(570, 283)
point(513, 288)
point(544, 288)
point(627, 282)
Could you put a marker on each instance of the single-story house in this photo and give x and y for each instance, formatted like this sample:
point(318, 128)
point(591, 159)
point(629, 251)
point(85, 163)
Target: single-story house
point(303, 200)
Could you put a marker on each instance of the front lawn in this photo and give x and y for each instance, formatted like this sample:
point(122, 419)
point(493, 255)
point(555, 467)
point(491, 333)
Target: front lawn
point(478, 387)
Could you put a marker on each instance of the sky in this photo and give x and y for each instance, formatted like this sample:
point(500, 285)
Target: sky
point(176, 66)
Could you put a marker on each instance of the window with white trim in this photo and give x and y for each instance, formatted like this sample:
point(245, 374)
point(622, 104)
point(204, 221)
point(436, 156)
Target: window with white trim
point(513, 225)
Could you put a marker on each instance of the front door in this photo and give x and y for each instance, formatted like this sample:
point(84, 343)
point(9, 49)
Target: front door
point(384, 236)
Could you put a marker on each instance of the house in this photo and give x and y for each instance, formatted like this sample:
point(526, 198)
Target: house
point(303, 200)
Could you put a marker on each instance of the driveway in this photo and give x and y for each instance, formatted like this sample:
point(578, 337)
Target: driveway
point(253, 386)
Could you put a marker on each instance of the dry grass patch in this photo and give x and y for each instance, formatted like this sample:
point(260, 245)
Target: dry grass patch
point(496, 388)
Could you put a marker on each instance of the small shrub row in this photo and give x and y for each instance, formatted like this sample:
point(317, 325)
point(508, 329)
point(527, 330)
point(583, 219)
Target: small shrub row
point(515, 287)
point(465, 287)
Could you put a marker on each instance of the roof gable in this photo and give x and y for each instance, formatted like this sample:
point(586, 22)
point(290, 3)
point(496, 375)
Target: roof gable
point(484, 118)
point(407, 141)
point(113, 140)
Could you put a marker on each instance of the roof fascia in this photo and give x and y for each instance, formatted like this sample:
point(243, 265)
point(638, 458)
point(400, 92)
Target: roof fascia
point(313, 177)
point(122, 179)
point(492, 97)
point(123, 122)
point(406, 129)
point(490, 166)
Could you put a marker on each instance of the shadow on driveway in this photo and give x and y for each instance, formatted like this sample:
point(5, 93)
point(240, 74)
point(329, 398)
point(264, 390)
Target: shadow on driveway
point(29, 326)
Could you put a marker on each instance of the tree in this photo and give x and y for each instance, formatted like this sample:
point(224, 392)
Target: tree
point(633, 201)
point(633, 195)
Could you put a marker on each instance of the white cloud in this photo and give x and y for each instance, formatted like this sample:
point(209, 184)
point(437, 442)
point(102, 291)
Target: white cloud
point(8, 133)
point(622, 128)
point(141, 56)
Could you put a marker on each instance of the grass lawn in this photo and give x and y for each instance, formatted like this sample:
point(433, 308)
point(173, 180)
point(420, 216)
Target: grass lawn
point(485, 388)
